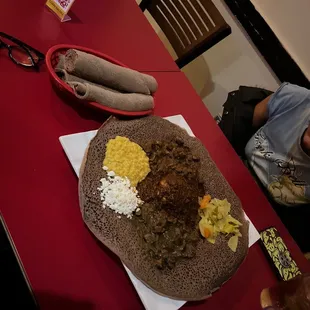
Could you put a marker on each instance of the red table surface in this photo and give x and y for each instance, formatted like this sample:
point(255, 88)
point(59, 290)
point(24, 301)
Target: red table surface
point(117, 28)
point(67, 267)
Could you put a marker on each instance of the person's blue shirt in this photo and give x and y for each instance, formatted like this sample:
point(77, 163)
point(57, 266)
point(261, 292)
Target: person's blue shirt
point(275, 152)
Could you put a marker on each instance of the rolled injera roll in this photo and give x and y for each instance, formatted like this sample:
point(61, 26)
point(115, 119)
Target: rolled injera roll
point(66, 77)
point(103, 72)
point(108, 97)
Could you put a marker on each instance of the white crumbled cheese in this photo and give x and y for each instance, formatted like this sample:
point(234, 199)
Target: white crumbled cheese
point(117, 194)
point(105, 168)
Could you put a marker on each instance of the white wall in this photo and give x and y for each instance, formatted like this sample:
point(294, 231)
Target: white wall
point(290, 21)
point(233, 62)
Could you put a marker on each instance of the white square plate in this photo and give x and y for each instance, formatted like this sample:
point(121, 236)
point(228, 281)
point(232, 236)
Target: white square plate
point(74, 146)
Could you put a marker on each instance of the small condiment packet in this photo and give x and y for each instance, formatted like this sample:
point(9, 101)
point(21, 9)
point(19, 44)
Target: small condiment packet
point(75, 146)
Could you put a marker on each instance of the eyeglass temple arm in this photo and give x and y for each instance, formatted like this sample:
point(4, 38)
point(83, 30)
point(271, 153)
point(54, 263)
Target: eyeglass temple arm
point(22, 44)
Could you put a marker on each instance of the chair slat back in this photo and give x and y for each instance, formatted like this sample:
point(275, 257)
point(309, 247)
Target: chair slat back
point(188, 24)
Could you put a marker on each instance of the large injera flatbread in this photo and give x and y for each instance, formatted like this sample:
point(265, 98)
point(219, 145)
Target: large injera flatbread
point(191, 279)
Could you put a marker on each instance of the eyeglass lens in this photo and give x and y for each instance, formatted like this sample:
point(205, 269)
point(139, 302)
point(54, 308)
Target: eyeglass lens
point(21, 56)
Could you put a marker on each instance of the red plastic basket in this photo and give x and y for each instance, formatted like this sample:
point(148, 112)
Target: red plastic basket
point(52, 58)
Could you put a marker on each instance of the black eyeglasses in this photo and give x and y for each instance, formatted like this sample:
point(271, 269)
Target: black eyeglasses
point(21, 53)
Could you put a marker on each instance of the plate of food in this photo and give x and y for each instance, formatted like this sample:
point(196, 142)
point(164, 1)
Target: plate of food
point(151, 193)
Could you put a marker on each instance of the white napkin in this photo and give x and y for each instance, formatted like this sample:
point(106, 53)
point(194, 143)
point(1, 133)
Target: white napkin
point(74, 146)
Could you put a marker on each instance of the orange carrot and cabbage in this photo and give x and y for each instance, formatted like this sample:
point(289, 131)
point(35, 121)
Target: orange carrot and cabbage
point(215, 219)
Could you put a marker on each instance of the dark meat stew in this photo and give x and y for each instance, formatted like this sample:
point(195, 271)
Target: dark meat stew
point(167, 221)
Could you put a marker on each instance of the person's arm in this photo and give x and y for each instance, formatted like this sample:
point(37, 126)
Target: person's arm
point(287, 97)
point(260, 115)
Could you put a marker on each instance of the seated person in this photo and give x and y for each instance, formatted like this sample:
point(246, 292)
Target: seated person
point(272, 135)
point(279, 152)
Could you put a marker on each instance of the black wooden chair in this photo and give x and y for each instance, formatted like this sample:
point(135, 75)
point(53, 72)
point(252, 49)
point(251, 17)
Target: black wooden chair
point(191, 26)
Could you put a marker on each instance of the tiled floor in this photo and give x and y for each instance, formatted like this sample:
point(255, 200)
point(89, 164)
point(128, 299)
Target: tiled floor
point(232, 62)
